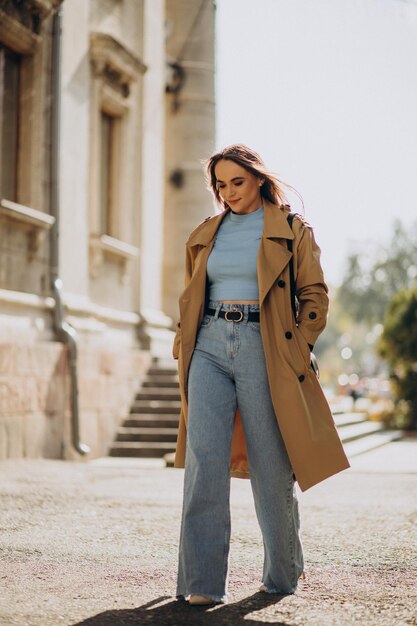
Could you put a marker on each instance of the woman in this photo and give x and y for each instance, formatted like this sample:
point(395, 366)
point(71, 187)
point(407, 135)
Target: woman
point(251, 404)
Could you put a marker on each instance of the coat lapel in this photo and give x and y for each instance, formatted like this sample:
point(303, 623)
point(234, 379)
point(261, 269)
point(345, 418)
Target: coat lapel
point(201, 242)
point(192, 299)
point(204, 233)
point(273, 254)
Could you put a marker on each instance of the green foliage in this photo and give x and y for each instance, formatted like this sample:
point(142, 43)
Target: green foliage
point(398, 345)
point(375, 273)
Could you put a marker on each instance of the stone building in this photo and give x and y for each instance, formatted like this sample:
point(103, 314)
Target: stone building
point(106, 108)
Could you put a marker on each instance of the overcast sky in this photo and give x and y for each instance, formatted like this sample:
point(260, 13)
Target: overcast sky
point(326, 92)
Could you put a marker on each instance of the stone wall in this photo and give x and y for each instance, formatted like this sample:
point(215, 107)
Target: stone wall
point(35, 419)
point(108, 382)
point(33, 400)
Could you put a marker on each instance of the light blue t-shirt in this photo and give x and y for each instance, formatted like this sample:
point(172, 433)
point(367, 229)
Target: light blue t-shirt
point(231, 266)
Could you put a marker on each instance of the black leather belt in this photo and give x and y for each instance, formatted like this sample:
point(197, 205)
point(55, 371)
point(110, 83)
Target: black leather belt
point(235, 316)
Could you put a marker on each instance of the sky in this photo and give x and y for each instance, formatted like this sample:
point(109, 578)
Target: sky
point(326, 92)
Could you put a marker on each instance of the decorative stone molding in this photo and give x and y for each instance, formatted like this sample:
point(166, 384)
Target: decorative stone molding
point(25, 214)
point(36, 222)
point(17, 36)
point(114, 62)
point(20, 23)
point(81, 309)
point(101, 245)
point(26, 300)
point(77, 307)
point(113, 102)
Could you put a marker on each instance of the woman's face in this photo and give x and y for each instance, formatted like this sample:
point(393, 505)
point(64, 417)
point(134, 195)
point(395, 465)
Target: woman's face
point(237, 187)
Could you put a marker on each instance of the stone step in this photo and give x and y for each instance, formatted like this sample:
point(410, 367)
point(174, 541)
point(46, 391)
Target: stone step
point(376, 440)
point(141, 449)
point(164, 363)
point(155, 406)
point(151, 428)
point(341, 405)
point(152, 420)
point(162, 371)
point(168, 382)
point(147, 434)
point(352, 432)
point(155, 393)
point(344, 419)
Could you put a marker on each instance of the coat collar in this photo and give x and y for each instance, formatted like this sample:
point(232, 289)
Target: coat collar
point(275, 225)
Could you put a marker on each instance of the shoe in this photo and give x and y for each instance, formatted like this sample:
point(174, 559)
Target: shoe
point(262, 589)
point(200, 600)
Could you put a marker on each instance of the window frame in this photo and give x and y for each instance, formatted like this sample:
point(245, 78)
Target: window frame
point(4, 53)
point(114, 69)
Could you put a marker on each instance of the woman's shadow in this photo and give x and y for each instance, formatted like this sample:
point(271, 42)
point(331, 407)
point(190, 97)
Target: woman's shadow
point(180, 613)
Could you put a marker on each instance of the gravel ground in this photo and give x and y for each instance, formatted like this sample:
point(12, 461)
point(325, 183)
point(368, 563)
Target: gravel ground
point(96, 544)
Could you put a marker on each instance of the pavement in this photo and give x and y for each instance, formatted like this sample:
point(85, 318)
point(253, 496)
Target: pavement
point(95, 544)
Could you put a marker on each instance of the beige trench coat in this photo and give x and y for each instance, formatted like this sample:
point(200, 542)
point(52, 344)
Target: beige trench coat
point(301, 409)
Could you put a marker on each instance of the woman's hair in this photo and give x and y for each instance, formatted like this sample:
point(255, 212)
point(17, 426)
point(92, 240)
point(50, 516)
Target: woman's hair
point(250, 160)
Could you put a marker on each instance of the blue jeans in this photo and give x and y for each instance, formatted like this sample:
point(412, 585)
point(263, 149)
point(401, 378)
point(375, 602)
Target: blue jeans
point(228, 370)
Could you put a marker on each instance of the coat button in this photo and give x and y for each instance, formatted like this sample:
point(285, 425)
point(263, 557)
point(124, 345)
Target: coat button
point(281, 283)
point(312, 315)
point(288, 335)
point(301, 378)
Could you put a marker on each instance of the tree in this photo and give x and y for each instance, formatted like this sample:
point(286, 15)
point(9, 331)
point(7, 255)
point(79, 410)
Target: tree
point(398, 345)
point(376, 272)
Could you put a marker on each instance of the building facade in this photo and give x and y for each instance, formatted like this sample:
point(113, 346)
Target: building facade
point(106, 108)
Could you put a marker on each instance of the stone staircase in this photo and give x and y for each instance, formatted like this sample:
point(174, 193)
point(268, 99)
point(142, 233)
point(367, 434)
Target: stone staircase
point(151, 428)
point(360, 434)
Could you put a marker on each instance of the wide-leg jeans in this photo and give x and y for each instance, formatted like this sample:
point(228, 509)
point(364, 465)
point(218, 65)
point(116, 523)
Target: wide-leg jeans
point(228, 370)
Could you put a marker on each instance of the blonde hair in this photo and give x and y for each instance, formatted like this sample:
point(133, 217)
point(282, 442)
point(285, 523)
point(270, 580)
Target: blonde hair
point(271, 188)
